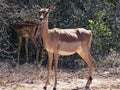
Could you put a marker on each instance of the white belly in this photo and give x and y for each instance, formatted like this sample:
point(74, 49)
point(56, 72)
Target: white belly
point(65, 53)
point(26, 35)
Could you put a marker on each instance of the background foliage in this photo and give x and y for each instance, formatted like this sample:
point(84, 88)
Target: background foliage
point(101, 16)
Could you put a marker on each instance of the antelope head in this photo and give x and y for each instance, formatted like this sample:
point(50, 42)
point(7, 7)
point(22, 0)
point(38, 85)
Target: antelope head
point(44, 12)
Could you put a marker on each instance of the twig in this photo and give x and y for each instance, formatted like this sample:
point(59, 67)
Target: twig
point(1, 50)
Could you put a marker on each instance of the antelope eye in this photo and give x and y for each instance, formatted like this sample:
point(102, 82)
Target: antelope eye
point(39, 13)
point(46, 12)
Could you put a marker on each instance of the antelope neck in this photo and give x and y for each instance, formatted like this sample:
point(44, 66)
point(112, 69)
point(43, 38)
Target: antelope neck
point(44, 28)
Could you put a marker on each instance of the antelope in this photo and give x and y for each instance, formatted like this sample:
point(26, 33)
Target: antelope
point(64, 42)
point(27, 30)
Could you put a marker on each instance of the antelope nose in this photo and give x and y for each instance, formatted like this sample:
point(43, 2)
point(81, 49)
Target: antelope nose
point(41, 19)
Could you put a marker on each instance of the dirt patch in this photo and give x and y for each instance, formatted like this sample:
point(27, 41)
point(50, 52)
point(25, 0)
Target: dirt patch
point(30, 77)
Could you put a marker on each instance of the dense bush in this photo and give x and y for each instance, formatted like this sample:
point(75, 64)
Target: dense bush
point(101, 16)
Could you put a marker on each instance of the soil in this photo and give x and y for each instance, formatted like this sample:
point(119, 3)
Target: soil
point(32, 77)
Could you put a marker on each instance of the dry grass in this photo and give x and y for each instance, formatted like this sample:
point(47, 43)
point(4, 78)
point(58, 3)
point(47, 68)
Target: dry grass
point(31, 77)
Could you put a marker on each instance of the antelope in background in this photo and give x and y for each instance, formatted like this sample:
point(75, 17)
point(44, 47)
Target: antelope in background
point(27, 30)
point(65, 42)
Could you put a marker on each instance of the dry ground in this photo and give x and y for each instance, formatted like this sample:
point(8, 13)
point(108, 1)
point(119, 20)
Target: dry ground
point(30, 77)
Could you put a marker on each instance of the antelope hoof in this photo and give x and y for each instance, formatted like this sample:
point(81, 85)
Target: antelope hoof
point(26, 63)
point(87, 88)
point(54, 88)
point(45, 88)
point(35, 62)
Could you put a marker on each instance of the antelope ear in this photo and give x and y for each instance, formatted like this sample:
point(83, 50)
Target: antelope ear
point(37, 7)
point(51, 8)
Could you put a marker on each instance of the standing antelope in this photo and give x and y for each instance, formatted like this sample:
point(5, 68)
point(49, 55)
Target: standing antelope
point(27, 30)
point(65, 42)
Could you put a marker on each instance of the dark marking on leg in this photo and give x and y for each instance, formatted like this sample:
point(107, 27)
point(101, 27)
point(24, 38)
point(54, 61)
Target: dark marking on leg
point(90, 78)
